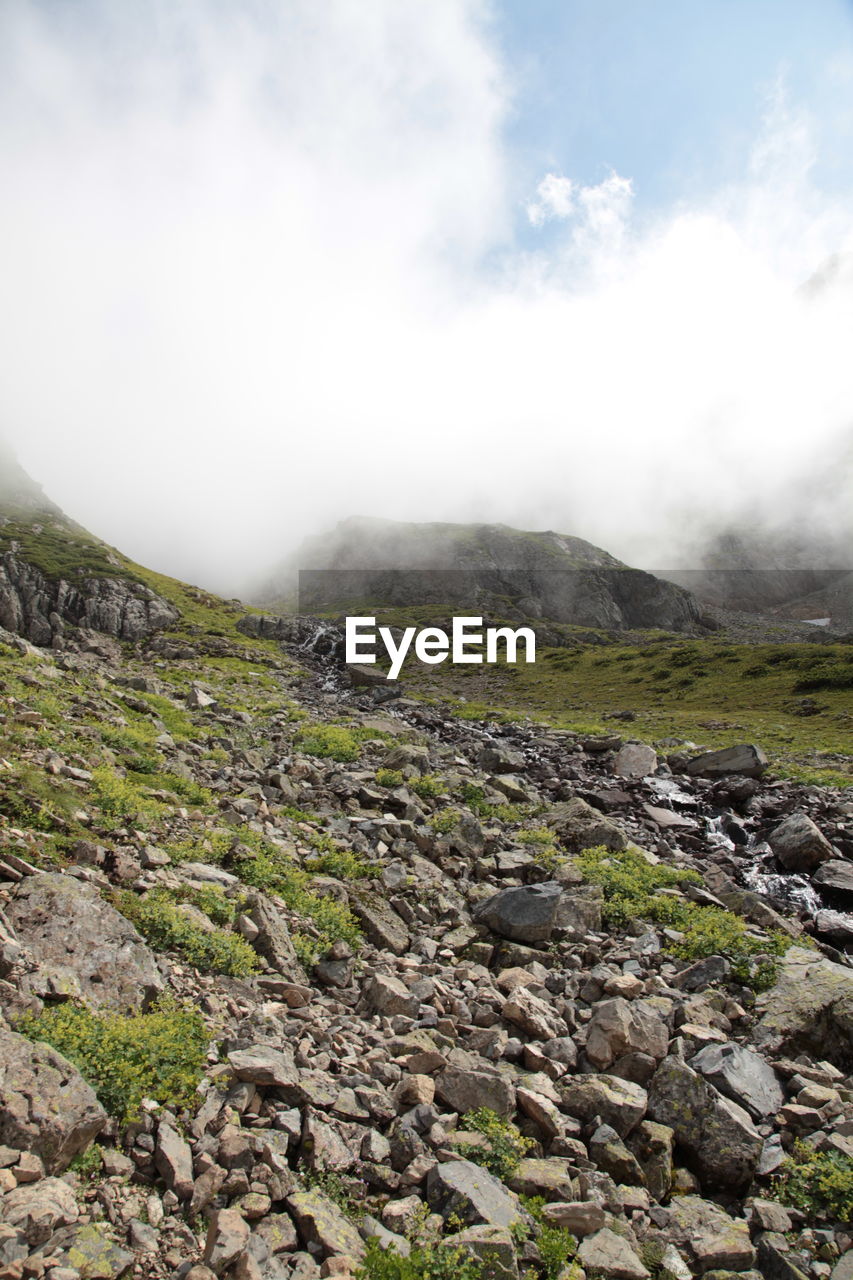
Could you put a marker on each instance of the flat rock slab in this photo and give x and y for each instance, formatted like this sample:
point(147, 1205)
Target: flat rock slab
point(743, 1076)
point(82, 944)
point(321, 1224)
point(472, 1193)
point(745, 759)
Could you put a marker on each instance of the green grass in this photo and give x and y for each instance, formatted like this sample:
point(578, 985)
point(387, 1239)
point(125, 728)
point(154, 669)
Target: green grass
point(125, 1058)
point(708, 691)
point(61, 550)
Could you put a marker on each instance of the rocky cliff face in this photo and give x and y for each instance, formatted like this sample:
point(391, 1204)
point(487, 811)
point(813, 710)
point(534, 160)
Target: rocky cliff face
point(55, 576)
point(478, 569)
point(41, 610)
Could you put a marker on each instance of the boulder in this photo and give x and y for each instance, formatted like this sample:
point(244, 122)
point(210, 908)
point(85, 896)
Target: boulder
point(533, 1015)
point(322, 1225)
point(46, 1107)
point(799, 844)
point(580, 827)
point(38, 1209)
point(491, 1245)
point(464, 1089)
point(96, 1255)
point(835, 877)
point(746, 759)
point(717, 1136)
point(710, 1239)
point(84, 948)
point(226, 1240)
point(522, 914)
point(272, 940)
point(262, 1064)
point(381, 923)
point(808, 1010)
point(472, 1193)
point(635, 760)
point(619, 1103)
point(621, 1026)
point(611, 1256)
point(741, 1075)
point(174, 1161)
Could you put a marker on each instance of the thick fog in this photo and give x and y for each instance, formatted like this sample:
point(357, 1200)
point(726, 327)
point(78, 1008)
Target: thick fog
point(269, 265)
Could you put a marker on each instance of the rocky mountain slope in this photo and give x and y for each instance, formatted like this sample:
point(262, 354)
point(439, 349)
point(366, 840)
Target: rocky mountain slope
point(477, 569)
point(299, 982)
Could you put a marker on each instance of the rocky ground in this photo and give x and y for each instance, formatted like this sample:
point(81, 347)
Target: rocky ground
point(295, 980)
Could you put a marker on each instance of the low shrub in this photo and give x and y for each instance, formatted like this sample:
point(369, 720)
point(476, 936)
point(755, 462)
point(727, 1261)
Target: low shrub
point(330, 741)
point(127, 1057)
point(162, 924)
point(635, 889)
point(820, 1183)
point(426, 1261)
point(506, 1148)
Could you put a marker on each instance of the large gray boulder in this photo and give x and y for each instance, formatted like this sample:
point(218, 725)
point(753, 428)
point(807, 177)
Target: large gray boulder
point(83, 947)
point(46, 1106)
point(799, 844)
point(745, 759)
point(472, 1194)
point(532, 913)
point(835, 877)
point(741, 1075)
point(808, 1010)
point(718, 1138)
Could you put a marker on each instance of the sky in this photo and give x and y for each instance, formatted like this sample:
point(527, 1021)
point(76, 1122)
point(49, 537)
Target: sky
point(270, 263)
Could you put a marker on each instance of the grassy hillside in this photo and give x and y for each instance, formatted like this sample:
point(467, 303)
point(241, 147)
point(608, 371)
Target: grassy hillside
point(795, 699)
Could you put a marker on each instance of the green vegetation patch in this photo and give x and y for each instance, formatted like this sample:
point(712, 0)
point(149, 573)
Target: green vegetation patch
point(506, 1145)
point(162, 924)
point(820, 1183)
point(263, 865)
point(635, 889)
point(331, 741)
point(61, 551)
point(125, 1058)
point(426, 1261)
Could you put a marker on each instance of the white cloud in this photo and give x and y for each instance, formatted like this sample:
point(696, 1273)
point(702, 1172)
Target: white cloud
point(554, 199)
point(259, 274)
